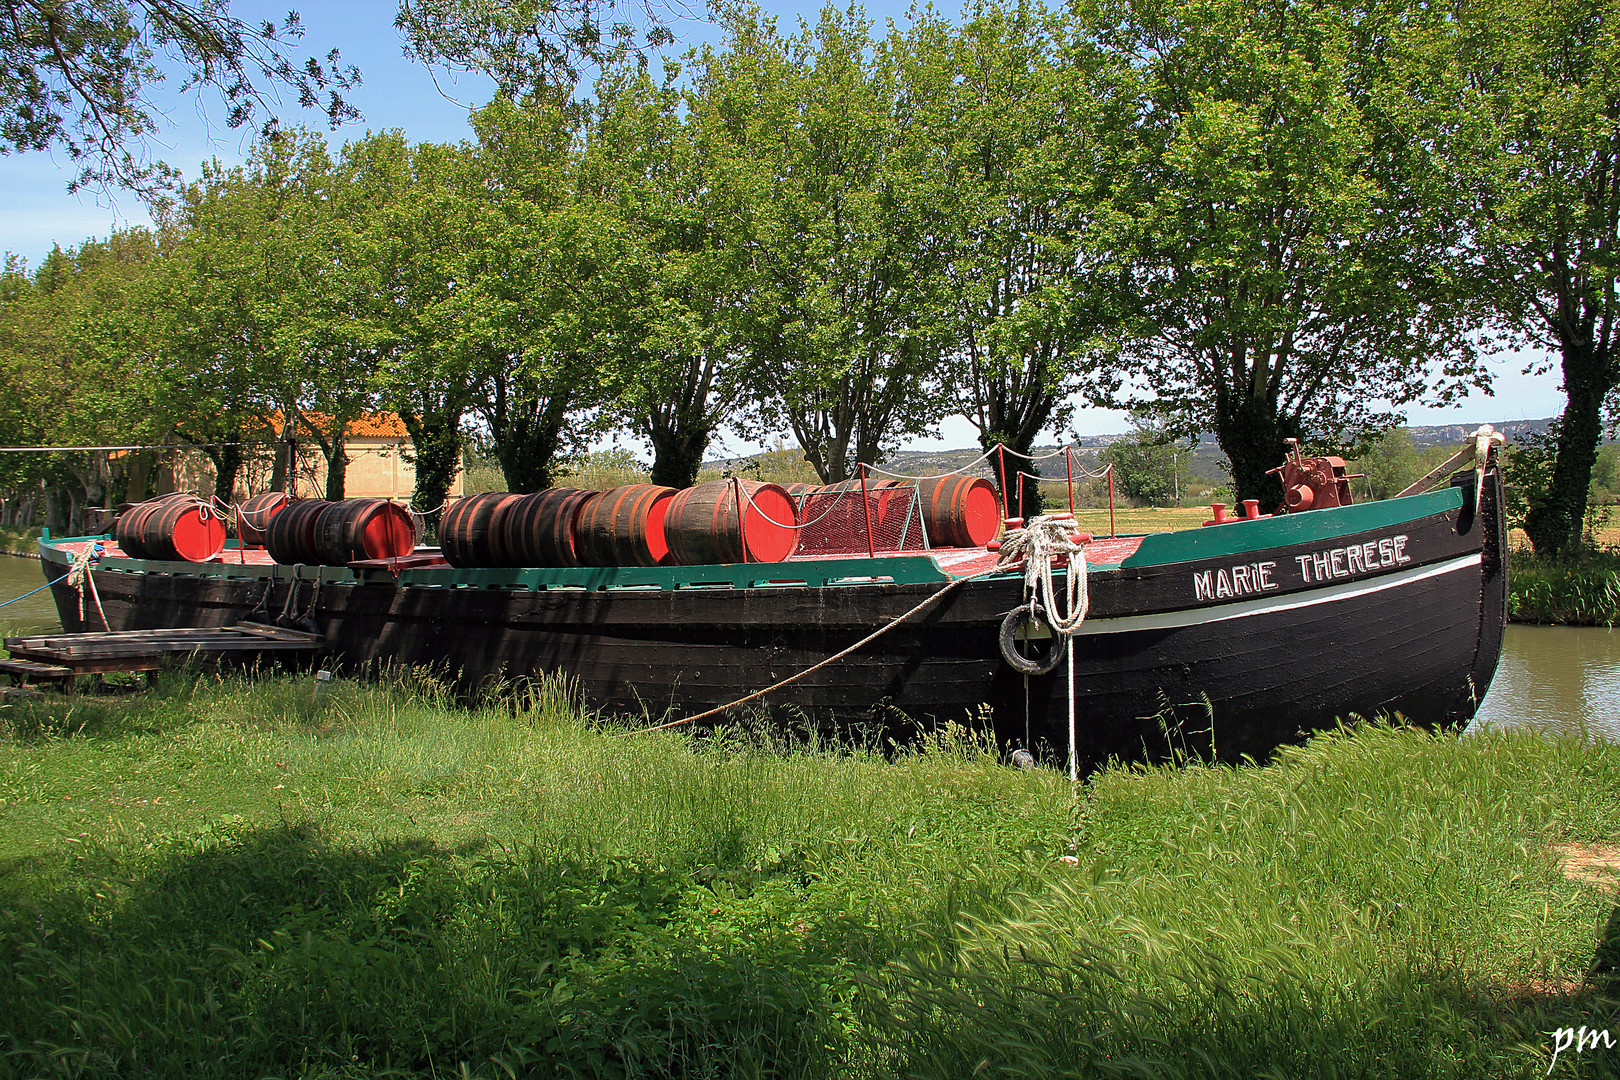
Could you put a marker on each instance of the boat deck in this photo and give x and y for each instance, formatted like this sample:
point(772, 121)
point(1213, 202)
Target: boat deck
point(955, 562)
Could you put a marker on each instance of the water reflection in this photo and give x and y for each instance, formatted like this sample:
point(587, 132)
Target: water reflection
point(35, 614)
point(1557, 678)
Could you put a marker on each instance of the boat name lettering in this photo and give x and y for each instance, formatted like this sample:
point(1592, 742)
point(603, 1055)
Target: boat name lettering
point(1352, 560)
point(1240, 580)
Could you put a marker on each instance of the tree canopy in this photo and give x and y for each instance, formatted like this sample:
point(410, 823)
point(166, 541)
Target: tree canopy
point(1294, 218)
point(76, 74)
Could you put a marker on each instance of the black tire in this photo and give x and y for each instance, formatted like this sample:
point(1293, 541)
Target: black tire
point(1029, 665)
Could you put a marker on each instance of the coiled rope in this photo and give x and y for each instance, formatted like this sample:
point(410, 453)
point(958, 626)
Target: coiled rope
point(80, 573)
point(1037, 543)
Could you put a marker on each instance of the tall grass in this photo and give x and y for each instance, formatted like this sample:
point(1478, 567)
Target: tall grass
point(226, 877)
point(1577, 592)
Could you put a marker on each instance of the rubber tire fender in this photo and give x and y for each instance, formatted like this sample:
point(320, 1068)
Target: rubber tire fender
point(1031, 612)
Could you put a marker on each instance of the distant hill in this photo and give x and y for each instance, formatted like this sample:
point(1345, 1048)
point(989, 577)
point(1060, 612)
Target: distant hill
point(1206, 458)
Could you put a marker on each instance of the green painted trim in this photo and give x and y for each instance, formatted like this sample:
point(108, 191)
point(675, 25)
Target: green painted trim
point(1239, 537)
point(900, 570)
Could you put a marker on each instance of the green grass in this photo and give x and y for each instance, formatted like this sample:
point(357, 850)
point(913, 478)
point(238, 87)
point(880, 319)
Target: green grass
point(19, 542)
point(1577, 592)
point(224, 878)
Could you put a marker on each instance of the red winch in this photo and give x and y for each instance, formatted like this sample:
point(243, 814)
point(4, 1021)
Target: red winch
point(1313, 483)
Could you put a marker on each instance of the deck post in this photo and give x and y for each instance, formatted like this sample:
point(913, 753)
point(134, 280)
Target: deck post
point(1068, 468)
point(866, 508)
point(1111, 531)
point(1006, 503)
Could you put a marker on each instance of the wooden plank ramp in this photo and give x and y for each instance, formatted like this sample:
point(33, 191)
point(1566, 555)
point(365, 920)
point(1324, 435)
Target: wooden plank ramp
point(61, 656)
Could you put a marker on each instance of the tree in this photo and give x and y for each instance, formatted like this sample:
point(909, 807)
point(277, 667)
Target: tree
point(528, 47)
point(1023, 301)
point(81, 348)
point(241, 288)
point(1391, 462)
point(681, 369)
point(1144, 462)
point(546, 289)
point(1287, 264)
point(75, 75)
point(846, 316)
point(1524, 99)
point(424, 236)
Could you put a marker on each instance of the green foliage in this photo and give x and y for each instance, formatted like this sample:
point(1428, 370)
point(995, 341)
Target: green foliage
point(1145, 463)
point(1279, 246)
point(222, 878)
point(1521, 97)
point(1576, 592)
point(76, 78)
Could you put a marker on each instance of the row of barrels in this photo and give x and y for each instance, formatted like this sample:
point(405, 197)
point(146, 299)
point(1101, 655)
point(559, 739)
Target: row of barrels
point(722, 521)
point(183, 528)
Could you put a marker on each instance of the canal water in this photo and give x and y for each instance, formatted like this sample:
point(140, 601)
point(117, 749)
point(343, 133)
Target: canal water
point(1560, 678)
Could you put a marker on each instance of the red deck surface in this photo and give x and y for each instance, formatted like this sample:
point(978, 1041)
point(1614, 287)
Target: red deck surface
point(957, 562)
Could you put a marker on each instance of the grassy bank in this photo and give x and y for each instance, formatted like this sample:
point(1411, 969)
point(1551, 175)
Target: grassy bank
point(226, 879)
point(1577, 592)
point(20, 542)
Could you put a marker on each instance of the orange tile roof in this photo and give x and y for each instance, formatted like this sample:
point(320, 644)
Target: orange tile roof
point(384, 425)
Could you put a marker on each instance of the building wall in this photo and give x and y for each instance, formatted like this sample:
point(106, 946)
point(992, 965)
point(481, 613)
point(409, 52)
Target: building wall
point(377, 470)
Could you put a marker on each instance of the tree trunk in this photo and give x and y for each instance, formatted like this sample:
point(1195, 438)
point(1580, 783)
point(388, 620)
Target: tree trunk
point(139, 479)
point(227, 467)
point(527, 433)
point(437, 453)
point(1251, 434)
point(678, 452)
point(282, 473)
point(1555, 521)
point(1012, 499)
point(337, 469)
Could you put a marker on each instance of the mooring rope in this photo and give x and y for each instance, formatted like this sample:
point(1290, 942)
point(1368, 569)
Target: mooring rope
point(80, 572)
point(835, 657)
point(41, 589)
point(1036, 542)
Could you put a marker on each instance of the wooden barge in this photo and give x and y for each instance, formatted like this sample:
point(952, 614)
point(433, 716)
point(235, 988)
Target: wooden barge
point(1227, 640)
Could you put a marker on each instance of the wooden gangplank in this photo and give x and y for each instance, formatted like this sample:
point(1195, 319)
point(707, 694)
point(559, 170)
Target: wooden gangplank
point(59, 656)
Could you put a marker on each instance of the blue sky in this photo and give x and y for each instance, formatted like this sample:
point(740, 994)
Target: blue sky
point(428, 106)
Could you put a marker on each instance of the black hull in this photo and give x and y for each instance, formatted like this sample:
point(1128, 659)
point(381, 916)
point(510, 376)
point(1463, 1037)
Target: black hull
point(1154, 674)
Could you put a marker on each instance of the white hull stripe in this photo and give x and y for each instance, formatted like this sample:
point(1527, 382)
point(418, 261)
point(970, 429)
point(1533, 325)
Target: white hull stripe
point(1170, 620)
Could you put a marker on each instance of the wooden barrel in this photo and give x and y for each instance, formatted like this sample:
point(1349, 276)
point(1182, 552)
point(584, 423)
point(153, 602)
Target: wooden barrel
point(253, 516)
point(961, 511)
point(539, 529)
point(727, 521)
point(177, 528)
point(623, 526)
point(291, 536)
point(355, 529)
point(127, 528)
point(800, 489)
point(465, 534)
